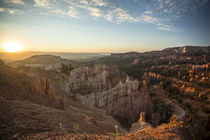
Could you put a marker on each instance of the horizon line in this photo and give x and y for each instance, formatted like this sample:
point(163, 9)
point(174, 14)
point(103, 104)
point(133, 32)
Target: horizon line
point(101, 52)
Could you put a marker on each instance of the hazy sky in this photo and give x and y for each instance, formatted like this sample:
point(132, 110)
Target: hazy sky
point(104, 25)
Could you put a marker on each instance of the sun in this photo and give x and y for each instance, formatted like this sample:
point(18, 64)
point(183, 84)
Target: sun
point(11, 47)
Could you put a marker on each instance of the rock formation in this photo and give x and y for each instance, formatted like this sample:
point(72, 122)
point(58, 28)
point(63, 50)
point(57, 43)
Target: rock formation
point(96, 87)
point(141, 124)
point(85, 80)
point(43, 87)
point(142, 117)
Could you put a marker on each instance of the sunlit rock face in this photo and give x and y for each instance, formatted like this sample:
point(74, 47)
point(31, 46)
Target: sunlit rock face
point(100, 87)
point(141, 124)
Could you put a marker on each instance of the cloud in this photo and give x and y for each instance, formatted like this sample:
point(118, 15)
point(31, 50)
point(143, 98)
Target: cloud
point(174, 9)
point(99, 3)
point(2, 9)
point(165, 27)
point(96, 12)
point(13, 11)
point(119, 15)
point(147, 17)
point(10, 10)
point(42, 3)
point(161, 13)
point(71, 12)
point(91, 6)
point(148, 12)
point(84, 2)
point(18, 2)
point(93, 2)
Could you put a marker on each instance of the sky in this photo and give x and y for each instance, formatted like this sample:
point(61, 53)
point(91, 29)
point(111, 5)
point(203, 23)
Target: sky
point(104, 25)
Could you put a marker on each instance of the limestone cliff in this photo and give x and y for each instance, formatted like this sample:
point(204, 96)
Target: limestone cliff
point(96, 86)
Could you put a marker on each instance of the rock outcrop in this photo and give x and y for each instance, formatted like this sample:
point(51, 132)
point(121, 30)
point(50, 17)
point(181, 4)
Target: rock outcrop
point(42, 87)
point(141, 124)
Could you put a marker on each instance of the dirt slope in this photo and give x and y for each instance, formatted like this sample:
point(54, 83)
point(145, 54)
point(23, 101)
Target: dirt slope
point(24, 112)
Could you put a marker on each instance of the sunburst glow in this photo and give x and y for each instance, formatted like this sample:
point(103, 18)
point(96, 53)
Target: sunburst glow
point(12, 47)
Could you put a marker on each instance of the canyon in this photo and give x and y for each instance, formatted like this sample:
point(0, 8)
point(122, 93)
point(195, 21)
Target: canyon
point(119, 98)
point(108, 95)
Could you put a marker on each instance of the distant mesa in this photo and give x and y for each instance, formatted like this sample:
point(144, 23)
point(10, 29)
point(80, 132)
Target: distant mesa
point(44, 62)
point(185, 50)
point(190, 50)
point(43, 59)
